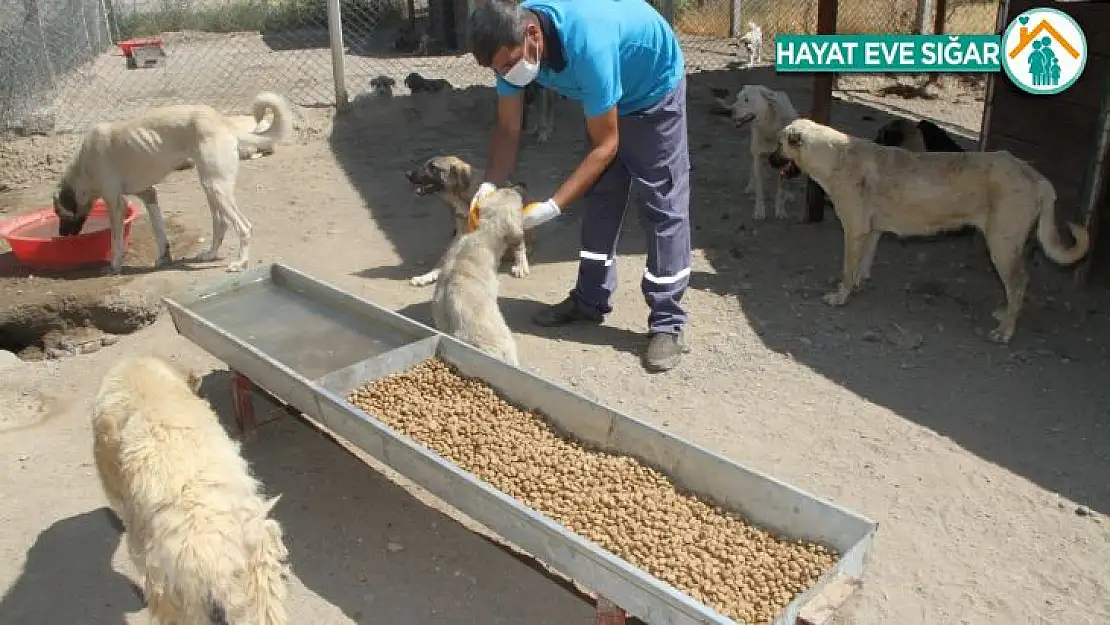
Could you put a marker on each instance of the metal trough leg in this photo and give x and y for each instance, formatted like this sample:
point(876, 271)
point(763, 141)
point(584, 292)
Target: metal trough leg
point(608, 613)
point(242, 392)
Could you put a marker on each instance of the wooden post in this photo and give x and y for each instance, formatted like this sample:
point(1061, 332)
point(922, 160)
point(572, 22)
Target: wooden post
point(924, 8)
point(1097, 194)
point(940, 17)
point(242, 390)
point(608, 613)
point(822, 106)
point(338, 71)
point(734, 26)
point(668, 9)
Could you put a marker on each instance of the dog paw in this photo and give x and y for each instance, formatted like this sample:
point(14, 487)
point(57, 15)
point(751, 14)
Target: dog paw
point(780, 213)
point(836, 298)
point(760, 212)
point(520, 271)
point(423, 280)
point(237, 266)
point(543, 136)
point(1000, 335)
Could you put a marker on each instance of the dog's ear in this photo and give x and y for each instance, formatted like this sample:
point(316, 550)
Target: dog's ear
point(389, 81)
point(65, 200)
point(459, 177)
point(890, 134)
point(772, 99)
point(194, 382)
point(794, 138)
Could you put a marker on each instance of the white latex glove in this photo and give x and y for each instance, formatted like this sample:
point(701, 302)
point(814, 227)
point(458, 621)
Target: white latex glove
point(484, 189)
point(538, 213)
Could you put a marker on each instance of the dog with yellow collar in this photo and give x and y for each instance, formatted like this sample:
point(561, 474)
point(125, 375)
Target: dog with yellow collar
point(456, 183)
point(465, 300)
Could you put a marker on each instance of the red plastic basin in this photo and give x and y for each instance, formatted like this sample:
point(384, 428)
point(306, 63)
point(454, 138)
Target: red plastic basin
point(35, 242)
point(128, 45)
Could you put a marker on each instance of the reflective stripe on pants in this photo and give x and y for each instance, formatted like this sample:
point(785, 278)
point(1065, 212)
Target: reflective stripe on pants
point(652, 167)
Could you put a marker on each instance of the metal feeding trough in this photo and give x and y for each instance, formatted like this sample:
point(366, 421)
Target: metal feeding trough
point(309, 344)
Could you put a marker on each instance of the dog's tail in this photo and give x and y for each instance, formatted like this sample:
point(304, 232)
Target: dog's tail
point(1049, 237)
point(257, 595)
point(280, 129)
point(266, 584)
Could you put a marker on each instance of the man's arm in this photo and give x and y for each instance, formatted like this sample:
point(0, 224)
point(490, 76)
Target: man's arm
point(506, 138)
point(605, 139)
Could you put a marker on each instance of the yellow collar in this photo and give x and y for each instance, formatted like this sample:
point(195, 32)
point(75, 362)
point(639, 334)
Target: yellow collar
point(472, 219)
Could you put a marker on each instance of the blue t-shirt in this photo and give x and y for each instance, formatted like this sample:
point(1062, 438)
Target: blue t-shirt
point(617, 52)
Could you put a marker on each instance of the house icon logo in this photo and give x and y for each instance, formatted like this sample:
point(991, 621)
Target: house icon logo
point(1045, 51)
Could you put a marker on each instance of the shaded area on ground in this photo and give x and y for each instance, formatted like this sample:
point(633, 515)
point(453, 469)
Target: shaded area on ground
point(68, 576)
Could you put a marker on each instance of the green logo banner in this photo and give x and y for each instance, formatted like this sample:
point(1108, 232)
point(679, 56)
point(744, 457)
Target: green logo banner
point(903, 54)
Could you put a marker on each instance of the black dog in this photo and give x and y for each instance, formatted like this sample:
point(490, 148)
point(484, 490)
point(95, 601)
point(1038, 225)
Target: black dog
point(418, 84)
point(927, 135)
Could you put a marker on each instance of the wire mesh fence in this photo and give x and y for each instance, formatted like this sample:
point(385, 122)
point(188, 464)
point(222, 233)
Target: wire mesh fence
point(42, 42)
point(715, 27)
point(718, 34)
point(64, 64)
point(67, 64)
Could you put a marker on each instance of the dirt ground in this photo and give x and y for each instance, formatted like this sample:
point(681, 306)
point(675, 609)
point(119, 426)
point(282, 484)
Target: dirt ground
point(985, 466)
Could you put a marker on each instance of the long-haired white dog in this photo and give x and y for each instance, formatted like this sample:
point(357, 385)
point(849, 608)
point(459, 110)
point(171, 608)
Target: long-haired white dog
point(197, 527)
point(766, 112)
point(465, 301)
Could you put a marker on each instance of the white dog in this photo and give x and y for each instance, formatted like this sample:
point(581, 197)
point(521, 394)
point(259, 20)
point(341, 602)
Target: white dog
point(766, 112)
point(131, 156)
point(876, 188)
point(753, 42)
point(197, 528)
point(382, 86)
point(465, 300)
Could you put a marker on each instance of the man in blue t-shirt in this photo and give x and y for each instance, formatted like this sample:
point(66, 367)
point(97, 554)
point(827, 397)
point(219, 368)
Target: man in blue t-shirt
point(622, 61)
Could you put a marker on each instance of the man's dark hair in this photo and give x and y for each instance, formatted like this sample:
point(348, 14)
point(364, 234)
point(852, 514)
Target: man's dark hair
point(494, 25)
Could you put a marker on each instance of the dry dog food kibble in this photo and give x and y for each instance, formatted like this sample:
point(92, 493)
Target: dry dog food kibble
point(630, 509)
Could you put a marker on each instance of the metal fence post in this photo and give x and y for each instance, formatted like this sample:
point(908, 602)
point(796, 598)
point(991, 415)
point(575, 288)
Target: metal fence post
point(821, 107)
point(335, 32)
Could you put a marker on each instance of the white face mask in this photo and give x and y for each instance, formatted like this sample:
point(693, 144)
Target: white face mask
point(524, 72)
